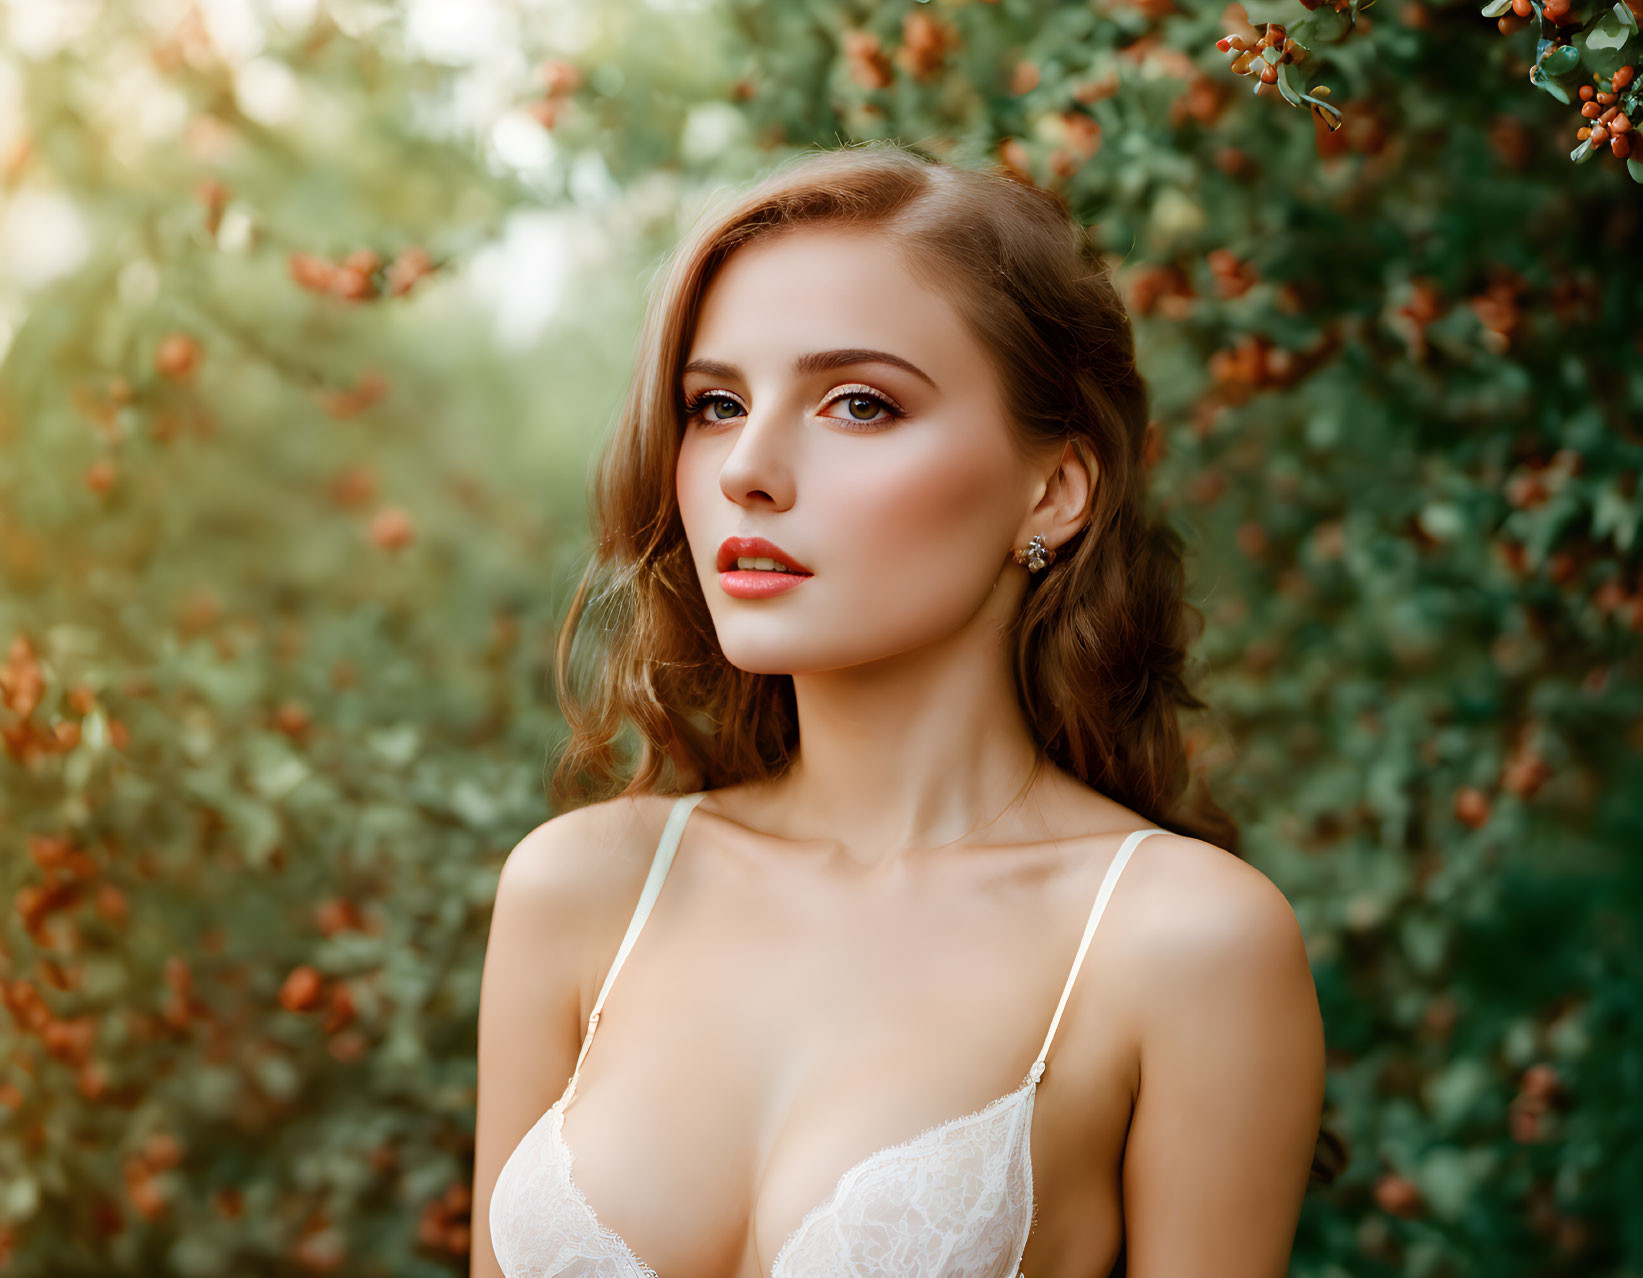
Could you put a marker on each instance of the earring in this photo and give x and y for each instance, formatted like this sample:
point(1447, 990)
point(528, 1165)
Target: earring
point(1035, 555)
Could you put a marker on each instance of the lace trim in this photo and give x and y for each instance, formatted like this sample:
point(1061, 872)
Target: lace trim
point(855, 1170)
point(557, 1128)
point(566, 1156)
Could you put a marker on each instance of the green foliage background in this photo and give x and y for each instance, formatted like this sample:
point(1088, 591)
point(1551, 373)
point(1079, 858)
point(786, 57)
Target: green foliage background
point(282, 546)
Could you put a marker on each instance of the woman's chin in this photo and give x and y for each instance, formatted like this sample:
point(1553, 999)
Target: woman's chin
point(762, 660)
point(776, 655)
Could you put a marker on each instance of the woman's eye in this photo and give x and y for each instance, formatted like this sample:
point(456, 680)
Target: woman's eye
point(863, 407)
point(702, 404)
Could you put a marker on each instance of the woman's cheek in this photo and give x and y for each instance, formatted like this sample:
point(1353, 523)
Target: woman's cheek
point(696, 488)
point(931, 499)
point(919, 541)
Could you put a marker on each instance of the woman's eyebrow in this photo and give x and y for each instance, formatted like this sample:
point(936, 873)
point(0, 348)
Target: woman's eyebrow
point(815, 362)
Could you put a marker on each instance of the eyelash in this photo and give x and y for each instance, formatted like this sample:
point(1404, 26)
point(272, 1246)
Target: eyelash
point(693, 403)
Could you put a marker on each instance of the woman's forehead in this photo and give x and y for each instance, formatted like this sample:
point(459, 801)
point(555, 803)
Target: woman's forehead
point(818, 290)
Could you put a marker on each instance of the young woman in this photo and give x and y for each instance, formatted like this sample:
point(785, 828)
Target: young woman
point(878, 596)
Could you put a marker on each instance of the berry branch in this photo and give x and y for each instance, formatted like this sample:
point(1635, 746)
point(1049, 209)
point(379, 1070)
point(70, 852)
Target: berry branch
point(1275, 58)
point(1603, 42)
point(1586, 55)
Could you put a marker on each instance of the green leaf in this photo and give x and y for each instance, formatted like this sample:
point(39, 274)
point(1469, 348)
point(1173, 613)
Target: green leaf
point(1561, 61)
point(1610, 33)
point(395, 745)
point(1554, 88)
point(1612, 514)
point(273, 769)
point(1582, 153)
point(1448, 1176)
point(1322, 26)
point(1287, 84)
point(1457, 1088)
point(1261, 12)
point(474, 803)
point(1634, 166)
point(1623, 11)
point(20, 1198)
point(1605, 62)
point(258, 828)
point(1495, 8)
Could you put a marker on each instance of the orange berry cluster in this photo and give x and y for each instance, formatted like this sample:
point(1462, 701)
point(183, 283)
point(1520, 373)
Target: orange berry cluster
point(1556, 11)
point(1250, 59)
point(25, 736)
point(445, 1223)
point(372, 386)
point(870, 65)
point(1253, 362)
point(176, 356)
point(1609, 123)
point(1233, 276)
point(362, 274)
point(926, 42)
point(560, 80)
point(1541, 1094)
point(305, 989)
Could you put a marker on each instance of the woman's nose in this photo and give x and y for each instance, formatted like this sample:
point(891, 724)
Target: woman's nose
point(758, 468)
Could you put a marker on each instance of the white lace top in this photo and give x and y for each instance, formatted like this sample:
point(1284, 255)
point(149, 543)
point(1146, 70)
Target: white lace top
point(955, 1201)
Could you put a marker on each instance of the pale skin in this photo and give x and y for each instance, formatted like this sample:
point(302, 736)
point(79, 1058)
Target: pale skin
point(875, 942)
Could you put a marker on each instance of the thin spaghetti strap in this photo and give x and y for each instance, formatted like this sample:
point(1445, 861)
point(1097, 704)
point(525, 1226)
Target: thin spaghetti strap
point(666, 846)
point(1096, 910)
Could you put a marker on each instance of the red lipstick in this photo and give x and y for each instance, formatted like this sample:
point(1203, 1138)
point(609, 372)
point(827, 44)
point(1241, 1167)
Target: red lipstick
point(757, 583)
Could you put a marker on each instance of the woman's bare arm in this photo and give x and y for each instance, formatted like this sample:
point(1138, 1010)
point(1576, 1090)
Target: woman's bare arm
point(1231, 1074)
point(530, 1023)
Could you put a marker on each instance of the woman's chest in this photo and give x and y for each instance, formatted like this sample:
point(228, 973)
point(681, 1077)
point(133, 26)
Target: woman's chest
point(963, 1195)
point(751, 1077)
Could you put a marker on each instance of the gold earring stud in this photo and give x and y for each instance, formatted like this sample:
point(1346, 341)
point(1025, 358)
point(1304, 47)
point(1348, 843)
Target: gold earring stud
point(1035, 554)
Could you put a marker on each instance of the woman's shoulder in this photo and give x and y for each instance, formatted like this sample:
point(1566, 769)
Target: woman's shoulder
point(1177, 889)
point(587, 861)
point(1200, 919)
point(1188, 891)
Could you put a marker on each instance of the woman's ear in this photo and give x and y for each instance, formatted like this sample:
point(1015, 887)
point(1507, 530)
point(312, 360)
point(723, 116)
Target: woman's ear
point(1069, 491)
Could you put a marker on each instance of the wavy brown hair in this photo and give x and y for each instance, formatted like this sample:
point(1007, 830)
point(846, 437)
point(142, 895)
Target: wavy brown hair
point(1101, 639)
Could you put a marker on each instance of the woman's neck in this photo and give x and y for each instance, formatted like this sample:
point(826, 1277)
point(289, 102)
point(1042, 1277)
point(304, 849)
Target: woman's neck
point(913, 751)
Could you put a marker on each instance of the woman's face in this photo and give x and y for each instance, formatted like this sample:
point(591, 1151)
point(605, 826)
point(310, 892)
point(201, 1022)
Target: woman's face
point(843, 413)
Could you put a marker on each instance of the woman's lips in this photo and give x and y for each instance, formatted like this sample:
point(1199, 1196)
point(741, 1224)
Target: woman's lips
point(734, 549)
point(751, 583)
point(757, 583)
